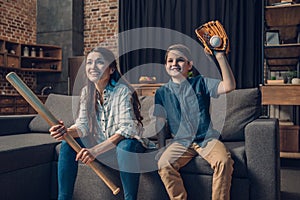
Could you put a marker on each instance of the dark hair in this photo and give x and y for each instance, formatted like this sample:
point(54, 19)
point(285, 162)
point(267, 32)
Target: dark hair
point(115, 76)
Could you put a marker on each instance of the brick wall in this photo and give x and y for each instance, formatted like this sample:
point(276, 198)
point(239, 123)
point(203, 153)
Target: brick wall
point(5, 87)
point(17, 24)
point(100, 24)
point(18, 20)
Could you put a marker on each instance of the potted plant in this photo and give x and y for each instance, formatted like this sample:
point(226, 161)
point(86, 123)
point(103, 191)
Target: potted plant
point(293, 77)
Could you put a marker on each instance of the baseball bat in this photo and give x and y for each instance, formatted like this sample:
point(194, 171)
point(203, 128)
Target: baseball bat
point(41, 109)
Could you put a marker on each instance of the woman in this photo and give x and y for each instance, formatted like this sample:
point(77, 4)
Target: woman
point(109, 114)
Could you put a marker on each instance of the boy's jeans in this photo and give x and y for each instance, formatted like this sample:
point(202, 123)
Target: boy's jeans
point(177, 156)
point(67, 168)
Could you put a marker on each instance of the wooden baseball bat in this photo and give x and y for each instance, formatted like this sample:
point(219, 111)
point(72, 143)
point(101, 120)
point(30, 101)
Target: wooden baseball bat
point(41, 109)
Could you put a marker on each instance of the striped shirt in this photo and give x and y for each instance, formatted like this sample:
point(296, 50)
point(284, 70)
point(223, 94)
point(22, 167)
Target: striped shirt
point(114, 116)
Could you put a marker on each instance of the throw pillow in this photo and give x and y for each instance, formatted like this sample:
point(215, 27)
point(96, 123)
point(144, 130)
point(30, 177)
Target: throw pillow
point(63, 107)
point(230, 113)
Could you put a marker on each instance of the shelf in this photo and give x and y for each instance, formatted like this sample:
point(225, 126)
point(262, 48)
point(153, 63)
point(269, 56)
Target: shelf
point(284, 94)
point(12, 48)
point(38, 70)
point(282, 57)
point(46, 58)
point(282, 51)
point(283, 15)
point(41, 59)
point(293, 155)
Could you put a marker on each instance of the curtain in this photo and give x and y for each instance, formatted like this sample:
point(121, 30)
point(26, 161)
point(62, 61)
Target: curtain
point(148, 27)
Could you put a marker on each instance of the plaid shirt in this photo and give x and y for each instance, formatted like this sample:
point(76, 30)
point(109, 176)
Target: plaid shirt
point(114, 116)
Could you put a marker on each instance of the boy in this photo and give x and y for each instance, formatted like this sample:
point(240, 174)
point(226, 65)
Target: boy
point(183, 106)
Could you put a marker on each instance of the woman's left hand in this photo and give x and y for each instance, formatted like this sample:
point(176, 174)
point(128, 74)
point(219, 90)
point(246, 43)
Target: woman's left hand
point(85, 155)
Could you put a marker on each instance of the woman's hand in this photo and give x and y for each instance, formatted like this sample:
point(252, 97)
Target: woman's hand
point(58, 131)
point(85, 155)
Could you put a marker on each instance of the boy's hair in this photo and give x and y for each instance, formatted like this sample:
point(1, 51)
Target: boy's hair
point(181, 48)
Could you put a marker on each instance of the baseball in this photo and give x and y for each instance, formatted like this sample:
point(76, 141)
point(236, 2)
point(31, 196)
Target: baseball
point(215, 41)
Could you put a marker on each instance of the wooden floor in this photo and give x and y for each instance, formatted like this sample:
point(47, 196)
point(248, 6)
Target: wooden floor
point(290, 179)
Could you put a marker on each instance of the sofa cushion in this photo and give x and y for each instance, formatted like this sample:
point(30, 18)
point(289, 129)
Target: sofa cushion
point(230, 113)
point(63, 107)
point(25, 150)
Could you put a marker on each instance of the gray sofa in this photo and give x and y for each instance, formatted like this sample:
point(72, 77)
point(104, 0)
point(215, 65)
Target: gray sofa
point(29, 155)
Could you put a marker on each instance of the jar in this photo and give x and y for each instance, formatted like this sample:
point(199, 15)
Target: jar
point(33, 53)
point(295, 81)
point(26, 51)
point(41, 53)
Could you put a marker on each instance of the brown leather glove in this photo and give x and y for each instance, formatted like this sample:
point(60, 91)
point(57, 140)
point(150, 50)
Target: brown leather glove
point(213, 37)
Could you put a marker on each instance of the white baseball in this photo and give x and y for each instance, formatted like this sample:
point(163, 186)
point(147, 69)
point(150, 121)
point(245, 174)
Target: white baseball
point(215, 41)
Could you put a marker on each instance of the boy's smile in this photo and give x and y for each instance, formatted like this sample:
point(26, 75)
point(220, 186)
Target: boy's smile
point(177, 65)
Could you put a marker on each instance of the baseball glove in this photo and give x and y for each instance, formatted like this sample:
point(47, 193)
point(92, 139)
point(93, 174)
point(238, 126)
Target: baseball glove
point(213, 37)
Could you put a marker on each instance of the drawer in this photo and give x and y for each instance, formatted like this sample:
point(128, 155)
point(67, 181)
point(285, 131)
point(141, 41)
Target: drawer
point(7, 110)
point(148, 91)
point(22, 110)
point(31, 110)
point(7, 101)
point(21, 101)
point(289, 138)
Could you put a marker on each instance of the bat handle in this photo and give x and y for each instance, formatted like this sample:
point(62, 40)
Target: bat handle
point(94, 165)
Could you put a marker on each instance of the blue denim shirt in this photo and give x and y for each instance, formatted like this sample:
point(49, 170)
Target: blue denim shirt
point(186, 107)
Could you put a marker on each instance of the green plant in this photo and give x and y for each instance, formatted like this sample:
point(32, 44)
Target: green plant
point(292, 74)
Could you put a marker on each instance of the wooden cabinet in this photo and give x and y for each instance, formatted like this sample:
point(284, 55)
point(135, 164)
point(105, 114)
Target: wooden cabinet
point(39, 58)
point(146, 89)
point(16, 105)
point(287, 94)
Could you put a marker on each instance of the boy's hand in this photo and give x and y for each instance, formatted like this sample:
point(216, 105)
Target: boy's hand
point(213, 37)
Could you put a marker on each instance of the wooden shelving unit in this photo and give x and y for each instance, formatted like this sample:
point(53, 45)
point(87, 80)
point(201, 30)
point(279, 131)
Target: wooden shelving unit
point(283, 57)
point(47, 58)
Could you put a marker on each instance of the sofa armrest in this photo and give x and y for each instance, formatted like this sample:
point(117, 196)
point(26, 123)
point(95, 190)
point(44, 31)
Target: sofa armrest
point(15, 124)
point(263, 161)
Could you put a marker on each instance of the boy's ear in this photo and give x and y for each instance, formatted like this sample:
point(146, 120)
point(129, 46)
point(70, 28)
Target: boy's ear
point(112, 70)
point(190, 65)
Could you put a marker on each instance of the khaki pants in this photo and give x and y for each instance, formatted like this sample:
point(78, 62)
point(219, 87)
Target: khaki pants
point(177, 156)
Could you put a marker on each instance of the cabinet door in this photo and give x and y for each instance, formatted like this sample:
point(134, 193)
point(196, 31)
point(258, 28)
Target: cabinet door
point(74, 64)
point(13, 61)
point(7, 106)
